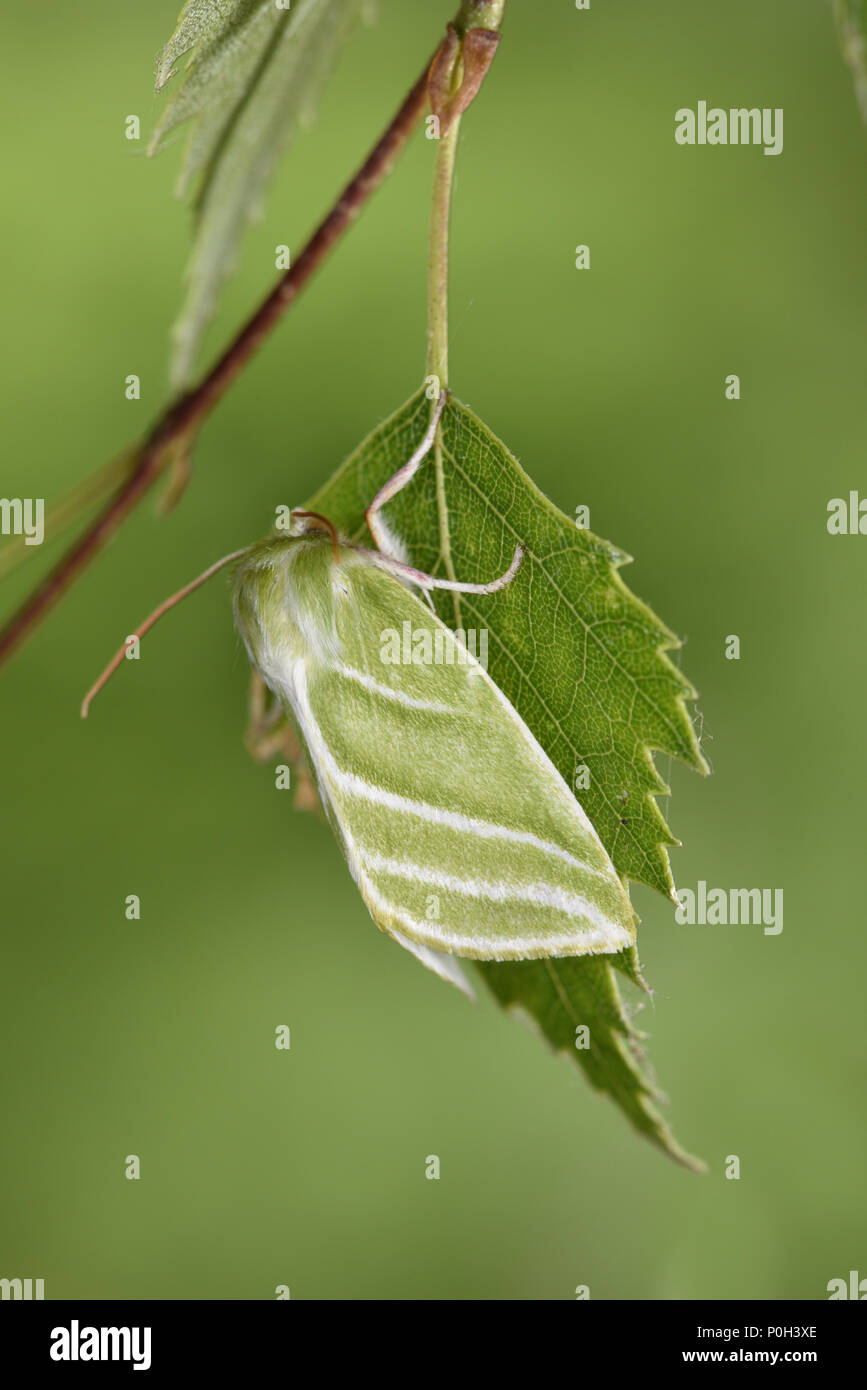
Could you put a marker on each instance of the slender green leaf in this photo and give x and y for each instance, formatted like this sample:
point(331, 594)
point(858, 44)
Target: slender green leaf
point(583, 661)
point(851, 20)
point(254, 75)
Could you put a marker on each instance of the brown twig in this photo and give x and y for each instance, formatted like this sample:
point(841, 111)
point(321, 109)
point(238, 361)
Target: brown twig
point(177, 427)
point(477, 49)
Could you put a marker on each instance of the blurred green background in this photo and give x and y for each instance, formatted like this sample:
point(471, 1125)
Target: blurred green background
point(155, 1037)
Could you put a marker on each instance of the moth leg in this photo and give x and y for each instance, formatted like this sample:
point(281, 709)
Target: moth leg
point(267, 730)
point(403, 475)
point(390, 489)
point(268, 733)
point(431, 581)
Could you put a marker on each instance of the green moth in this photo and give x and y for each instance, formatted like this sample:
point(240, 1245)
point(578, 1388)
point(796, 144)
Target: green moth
point(461, 835)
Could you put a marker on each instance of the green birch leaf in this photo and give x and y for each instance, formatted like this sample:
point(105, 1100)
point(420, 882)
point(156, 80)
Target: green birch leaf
point(558, 998)
point(253, 76)
point(582, 660)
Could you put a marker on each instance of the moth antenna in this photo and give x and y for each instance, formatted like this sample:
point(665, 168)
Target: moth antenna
point(430, 581)
point(403, 475)
point(149, 622)
point(329, 526)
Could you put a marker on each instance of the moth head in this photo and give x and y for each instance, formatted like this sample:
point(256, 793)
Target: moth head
point(313, 524)
point(283, 595)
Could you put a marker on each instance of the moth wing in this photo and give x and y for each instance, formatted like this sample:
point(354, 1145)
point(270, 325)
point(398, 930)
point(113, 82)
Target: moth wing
point(447, 967)
point(461, 834)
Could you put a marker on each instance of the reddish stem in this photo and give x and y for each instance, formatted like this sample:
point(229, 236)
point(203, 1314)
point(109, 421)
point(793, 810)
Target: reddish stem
point(185, 416)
